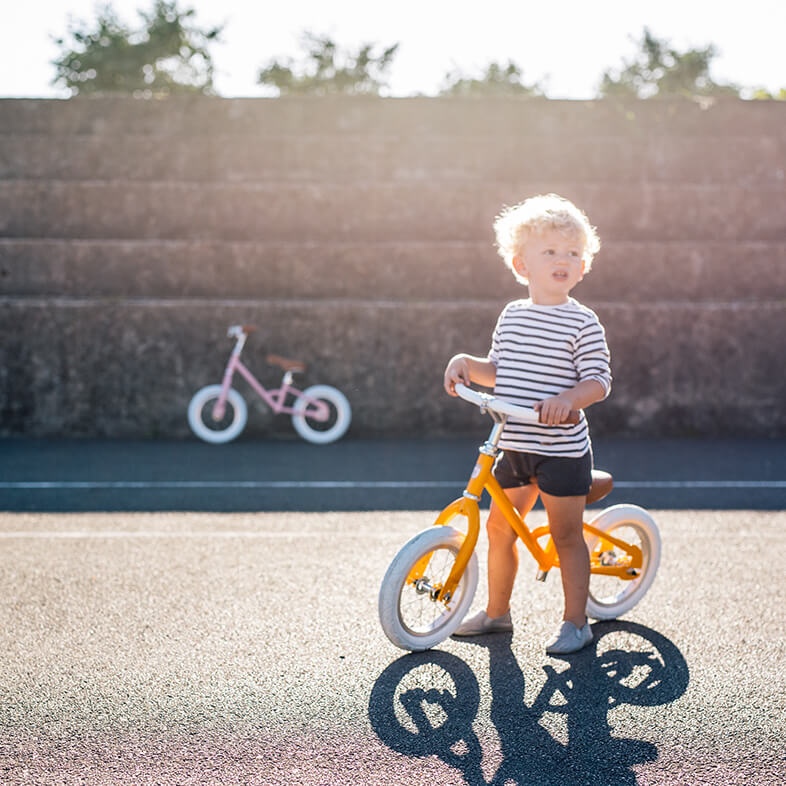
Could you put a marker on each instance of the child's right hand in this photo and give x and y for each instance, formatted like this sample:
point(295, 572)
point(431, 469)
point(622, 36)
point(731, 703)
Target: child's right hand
point(457, 371)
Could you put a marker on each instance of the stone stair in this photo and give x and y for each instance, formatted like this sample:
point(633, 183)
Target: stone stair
point(357, 234)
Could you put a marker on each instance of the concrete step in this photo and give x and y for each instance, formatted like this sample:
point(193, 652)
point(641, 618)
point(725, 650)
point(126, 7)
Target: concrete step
point(624, 271)
point(377, 212)
point(310, 157)
point(198, 116)
point(129, 367)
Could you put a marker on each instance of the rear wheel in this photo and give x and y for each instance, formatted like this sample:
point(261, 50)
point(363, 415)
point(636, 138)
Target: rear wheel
point(409, 616)
point(320, 432)
point(610, 596)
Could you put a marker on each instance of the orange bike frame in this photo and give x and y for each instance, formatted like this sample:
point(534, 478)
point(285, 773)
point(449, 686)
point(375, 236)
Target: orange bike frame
point(467, 506)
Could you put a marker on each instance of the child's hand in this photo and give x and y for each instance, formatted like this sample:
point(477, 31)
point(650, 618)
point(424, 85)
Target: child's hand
point(554, 410)
point(457, 371)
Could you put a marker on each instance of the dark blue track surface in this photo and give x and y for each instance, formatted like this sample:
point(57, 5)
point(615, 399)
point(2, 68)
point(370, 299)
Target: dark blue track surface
point(402, 474)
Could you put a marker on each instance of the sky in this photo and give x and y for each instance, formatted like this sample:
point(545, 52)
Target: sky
point(564, 45)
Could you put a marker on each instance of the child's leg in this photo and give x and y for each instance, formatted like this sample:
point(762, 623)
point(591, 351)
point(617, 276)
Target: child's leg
point(503, 559)
point(566, 516)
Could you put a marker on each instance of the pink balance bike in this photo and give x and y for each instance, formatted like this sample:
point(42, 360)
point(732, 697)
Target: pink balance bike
point(218, 413)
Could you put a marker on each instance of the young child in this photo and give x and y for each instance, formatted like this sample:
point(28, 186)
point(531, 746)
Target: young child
point(548, 352)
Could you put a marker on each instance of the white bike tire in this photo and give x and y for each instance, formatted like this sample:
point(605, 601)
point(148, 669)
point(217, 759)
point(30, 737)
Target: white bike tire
point(394, 586)
point(611, 606)
point(196, 408)
point(343, 415)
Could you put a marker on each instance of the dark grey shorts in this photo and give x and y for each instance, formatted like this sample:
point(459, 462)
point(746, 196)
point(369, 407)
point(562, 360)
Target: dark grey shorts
point(556, 475)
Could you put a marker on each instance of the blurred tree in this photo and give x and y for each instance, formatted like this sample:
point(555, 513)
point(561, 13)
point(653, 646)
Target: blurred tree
point(327, 70)
point(661, 71)
point(168, 54)
point(497, 80)
point(760, 94)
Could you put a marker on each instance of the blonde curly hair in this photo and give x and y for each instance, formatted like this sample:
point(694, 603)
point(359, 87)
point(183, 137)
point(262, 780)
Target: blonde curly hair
point(514, 224)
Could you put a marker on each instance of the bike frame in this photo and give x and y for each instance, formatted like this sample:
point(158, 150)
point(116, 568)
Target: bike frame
point(275, 399)
point(468, 506)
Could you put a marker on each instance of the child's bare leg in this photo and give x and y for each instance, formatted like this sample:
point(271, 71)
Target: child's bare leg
point(566, 516)
point(503, 559)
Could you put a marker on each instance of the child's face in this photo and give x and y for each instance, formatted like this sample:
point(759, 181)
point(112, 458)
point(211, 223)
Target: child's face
point(552, 262)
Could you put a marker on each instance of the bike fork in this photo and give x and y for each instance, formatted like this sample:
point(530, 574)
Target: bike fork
point(219, 408)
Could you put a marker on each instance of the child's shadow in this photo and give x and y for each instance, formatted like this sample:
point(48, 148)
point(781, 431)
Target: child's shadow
point(425, 704)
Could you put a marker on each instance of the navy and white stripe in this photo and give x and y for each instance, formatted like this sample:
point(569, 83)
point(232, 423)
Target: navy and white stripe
point(541, 351)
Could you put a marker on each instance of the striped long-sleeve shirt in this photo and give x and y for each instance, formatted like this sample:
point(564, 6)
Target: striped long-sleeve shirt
point(541, 351)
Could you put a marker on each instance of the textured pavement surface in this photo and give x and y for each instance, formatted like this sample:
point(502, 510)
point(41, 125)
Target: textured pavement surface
point(244, 648)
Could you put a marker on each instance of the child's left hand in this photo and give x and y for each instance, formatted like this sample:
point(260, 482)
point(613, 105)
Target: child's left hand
point(554, 410)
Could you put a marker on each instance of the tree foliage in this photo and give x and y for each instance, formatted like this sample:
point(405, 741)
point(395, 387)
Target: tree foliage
point(497, 80)
point(760, 94)
point(661, 71)
point(326, 69)
point(167, 54)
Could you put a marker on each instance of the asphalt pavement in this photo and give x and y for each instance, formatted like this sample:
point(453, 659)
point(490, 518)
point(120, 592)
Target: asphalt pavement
point(174, 613)
point(165, 649)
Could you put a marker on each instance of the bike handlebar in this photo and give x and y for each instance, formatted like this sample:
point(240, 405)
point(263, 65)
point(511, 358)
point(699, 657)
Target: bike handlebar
point(487, 401)
point(237, 331)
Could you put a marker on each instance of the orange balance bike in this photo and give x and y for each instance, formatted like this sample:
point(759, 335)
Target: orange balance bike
point(430, 584)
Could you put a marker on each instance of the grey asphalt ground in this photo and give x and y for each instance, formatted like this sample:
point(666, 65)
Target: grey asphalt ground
point(192, 646)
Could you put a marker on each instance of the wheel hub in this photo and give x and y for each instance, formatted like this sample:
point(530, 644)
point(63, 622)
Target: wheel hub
point(610, 559)
point(423, 586)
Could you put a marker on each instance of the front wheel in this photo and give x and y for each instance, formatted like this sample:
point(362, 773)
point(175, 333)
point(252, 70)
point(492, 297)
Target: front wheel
point(216, 430)
point(320, 432)
point(609, 596)
point(407, 613)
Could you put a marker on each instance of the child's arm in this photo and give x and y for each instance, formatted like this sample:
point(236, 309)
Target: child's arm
point(468, 368)
point(554, 410)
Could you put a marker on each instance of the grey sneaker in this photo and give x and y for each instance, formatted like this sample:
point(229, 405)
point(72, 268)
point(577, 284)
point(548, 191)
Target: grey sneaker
point(481, 624)
point(569, 639)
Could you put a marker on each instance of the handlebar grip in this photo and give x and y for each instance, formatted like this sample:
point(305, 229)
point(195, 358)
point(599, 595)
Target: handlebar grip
point(523, 413)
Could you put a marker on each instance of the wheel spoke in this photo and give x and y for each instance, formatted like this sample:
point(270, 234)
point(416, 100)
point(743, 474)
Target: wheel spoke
point(419, 613)
point(610, 590)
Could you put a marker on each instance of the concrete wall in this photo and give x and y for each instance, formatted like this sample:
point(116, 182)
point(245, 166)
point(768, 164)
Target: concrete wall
point(357, 235)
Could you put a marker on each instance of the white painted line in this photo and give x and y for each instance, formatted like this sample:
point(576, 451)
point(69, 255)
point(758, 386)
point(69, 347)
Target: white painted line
point(700, 484)
point(231, 484)
point(78, 534)
point(359, 484)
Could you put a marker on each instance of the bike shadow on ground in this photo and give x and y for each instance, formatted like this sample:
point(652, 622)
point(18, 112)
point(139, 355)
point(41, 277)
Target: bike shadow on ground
point(425, 704)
